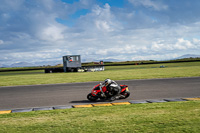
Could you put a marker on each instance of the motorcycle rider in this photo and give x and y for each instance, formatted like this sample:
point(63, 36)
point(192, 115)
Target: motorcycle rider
point(113, 89)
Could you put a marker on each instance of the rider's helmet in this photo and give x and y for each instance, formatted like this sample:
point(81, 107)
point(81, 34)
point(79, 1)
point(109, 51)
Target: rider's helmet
point(107, 82)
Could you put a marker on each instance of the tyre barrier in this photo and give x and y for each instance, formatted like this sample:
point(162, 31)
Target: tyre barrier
point(101, 104)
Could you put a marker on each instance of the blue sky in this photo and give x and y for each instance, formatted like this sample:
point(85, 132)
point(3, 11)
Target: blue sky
point(42, 31)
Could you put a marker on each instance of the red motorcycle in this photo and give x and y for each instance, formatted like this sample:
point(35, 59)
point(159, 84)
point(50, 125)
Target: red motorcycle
point(100, 92)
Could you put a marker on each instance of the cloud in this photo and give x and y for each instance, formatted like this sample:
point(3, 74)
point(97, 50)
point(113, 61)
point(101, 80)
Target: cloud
point(180, 45)
point(100, 20)
point(156, 5)
point(183, 44)
point(52, 33)
point(30, 30)
point(1, 42)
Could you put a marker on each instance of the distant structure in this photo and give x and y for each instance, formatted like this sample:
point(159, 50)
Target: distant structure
point(71, 63)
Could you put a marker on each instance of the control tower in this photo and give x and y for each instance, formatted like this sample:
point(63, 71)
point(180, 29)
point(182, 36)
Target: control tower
point(71, 63)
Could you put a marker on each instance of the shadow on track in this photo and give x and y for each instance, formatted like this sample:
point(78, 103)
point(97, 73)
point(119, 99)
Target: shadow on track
point(87, 101)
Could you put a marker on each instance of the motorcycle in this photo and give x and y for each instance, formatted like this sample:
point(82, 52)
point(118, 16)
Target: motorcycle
point(100, 92)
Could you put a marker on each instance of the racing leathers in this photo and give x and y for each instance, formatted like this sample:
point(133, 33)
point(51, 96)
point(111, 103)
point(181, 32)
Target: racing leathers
point(113, 90)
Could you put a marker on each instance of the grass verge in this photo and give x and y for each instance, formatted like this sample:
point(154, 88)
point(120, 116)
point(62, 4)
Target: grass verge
point(152, 117)
point(171, 70)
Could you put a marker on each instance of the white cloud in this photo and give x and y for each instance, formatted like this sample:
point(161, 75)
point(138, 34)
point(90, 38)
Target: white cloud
point(103, 25)
point(31, 32)
point(183, 44)
point(196, 42)
point(52, 33)
point(99, 20)
point(179, 45)
point(156, 5)
point(1, 42)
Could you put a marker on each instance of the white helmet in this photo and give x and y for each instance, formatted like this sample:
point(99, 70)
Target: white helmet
point(107, 82)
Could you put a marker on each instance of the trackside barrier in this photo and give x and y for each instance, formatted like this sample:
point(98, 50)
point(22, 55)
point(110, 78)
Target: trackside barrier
point(98, 105)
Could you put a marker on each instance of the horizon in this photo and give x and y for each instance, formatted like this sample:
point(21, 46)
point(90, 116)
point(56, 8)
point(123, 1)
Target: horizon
point(27, 64)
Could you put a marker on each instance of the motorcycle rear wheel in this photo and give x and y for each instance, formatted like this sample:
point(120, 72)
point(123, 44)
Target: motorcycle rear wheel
point(91, 98)
point(126, 94)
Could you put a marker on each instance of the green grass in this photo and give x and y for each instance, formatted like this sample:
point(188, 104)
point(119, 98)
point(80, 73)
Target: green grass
point(171, 70)
point(170, 117)
point(167, 117)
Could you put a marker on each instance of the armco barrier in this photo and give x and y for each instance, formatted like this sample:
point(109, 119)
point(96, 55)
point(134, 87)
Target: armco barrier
point(102, 104)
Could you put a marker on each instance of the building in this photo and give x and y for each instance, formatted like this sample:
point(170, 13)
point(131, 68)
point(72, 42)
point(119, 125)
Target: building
point(71, 63)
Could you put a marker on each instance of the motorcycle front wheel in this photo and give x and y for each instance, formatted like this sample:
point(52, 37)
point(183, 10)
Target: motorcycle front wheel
point(91, 98)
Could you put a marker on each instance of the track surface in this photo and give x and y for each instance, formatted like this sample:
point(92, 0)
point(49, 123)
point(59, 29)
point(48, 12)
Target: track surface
point(75, 93)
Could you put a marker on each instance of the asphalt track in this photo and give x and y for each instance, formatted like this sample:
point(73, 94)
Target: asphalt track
point(15, 97)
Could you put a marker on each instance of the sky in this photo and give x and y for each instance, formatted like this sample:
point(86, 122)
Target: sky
point(45, 30)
